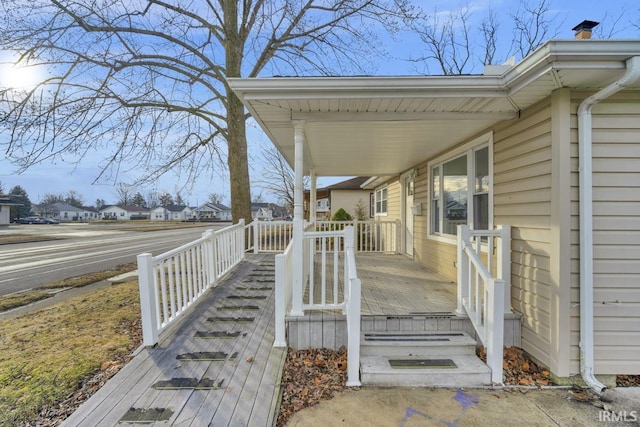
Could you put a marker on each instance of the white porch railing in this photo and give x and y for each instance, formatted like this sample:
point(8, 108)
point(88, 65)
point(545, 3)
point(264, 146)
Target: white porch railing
point(335, 290)
point(482, 296)
point(171, 282)
point(370, 236)
point(271, 236)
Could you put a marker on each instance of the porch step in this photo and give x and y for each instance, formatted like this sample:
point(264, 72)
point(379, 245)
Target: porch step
point(454, 371)
point(427, 344)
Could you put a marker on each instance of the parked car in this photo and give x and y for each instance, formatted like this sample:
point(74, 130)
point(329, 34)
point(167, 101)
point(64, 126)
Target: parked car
point(30, 220)
point(49, 221)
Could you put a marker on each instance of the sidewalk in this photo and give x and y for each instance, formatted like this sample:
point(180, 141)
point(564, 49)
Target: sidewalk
point(426, 407)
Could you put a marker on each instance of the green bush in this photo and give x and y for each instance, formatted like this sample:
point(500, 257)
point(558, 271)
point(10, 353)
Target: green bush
point(341, 215)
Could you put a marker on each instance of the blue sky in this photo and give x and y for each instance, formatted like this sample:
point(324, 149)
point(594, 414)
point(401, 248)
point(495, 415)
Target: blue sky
point(61, 177)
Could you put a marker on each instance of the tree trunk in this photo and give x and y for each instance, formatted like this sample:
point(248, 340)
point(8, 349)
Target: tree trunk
point(237, 158)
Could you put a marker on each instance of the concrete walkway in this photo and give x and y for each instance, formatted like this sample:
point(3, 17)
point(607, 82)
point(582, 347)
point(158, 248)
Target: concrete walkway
point(216, 367)
point(427, 407)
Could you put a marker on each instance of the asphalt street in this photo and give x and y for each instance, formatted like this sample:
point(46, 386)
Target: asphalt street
point(83, 248)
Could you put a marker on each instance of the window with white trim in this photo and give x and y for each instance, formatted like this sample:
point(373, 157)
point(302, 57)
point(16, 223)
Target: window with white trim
point(381, 201)
point(461, 191)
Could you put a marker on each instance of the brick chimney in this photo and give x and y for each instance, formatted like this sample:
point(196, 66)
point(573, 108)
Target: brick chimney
point(583, 29)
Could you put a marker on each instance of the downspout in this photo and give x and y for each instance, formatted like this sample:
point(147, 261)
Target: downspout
point(586, 219)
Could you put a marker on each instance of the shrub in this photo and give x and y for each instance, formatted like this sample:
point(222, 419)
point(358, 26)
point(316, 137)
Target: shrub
point(341, 215)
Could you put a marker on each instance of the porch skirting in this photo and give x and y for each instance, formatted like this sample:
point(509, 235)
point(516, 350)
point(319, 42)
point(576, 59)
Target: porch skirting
point(328, 329)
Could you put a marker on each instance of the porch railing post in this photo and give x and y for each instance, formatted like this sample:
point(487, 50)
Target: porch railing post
point(256, 237)
point(353, 334)
point(210, 261)
point(504, 263)
point(398, 243)
point(494, 295)
point(148, 300)
point(281, 283)
point(462, 267)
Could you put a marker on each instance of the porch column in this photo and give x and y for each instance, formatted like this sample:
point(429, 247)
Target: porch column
point(298, 220)
point(312, 197)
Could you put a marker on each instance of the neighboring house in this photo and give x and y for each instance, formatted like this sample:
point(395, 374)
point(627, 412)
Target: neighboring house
point(212, 210)
point(5, 209)
point(509, 143)
point(171, 213)
point(120, 213)
point(348, 195)
point(66, 212)
point(261, 211)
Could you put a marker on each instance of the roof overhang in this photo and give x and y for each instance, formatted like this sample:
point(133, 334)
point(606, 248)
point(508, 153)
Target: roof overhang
point(386, 125)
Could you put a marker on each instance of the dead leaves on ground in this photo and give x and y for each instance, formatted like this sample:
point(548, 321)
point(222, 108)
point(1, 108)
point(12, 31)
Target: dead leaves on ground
point(519, 369)
point(310, 376)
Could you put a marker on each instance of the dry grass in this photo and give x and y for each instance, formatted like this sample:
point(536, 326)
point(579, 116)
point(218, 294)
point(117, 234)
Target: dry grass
point(87, 279)
point(12, 301)
point(44, 355)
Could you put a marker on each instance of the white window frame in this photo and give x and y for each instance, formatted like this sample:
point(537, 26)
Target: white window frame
point(378, 197)
point(469, 149)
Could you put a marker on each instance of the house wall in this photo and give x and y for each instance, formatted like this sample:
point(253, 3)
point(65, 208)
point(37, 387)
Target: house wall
point(5, 214)
point(616, 239)
point(348, 200)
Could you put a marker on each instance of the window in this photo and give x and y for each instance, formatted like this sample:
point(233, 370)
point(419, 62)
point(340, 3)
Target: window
point(381, 201)
point(461, 191)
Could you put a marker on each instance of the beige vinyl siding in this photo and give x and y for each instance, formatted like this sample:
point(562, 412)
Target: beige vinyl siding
point(616, 222)
point(394, 200)
point(522, 198)
point(348, 200)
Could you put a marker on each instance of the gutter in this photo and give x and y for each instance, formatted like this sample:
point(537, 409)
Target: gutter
point(586, 219)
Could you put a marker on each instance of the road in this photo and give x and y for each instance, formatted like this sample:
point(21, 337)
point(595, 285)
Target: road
point(84, 248)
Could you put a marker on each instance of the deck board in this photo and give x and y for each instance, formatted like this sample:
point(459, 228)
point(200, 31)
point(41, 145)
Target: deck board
point(250, 392)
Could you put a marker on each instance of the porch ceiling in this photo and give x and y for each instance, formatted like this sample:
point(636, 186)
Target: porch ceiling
point(371, 126)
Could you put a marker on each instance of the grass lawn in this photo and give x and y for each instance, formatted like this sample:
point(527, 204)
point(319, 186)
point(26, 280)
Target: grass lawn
point(46, 354)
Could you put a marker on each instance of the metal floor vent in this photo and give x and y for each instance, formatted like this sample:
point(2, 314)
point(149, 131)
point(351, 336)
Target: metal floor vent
point(207, 356)
point(146, 416)
point(188, 383)
point(230, 319)
point(246, 297)
point(239, 307)
point(411, 337)
point(422, 364)
point(218, 334)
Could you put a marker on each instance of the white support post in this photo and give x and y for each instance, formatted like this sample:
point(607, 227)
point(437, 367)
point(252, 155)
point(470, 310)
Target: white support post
point(399, 232)
point(495, 328)
point(298, 220)
point(148, 300)
point(504, 263)
point(281, 283)
point(462, 267)
point(256, 237)
point(313, 198)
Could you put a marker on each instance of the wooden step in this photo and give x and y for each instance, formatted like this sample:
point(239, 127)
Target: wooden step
point(428, 344)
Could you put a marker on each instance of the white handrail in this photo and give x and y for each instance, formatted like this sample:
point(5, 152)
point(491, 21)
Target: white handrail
point(482, 296)
point(172, 282)
point(283, 293)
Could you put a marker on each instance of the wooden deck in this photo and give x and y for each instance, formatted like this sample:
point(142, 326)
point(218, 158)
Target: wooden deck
point(248, 376)
point(393, 285)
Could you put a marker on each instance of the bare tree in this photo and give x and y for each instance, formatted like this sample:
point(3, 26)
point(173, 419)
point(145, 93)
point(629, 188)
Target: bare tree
point(151, 75)
point(216, 198)
point(73, 198)
point(449, 45)
point(124, 194)
point(277, 177)
point(532, 26)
